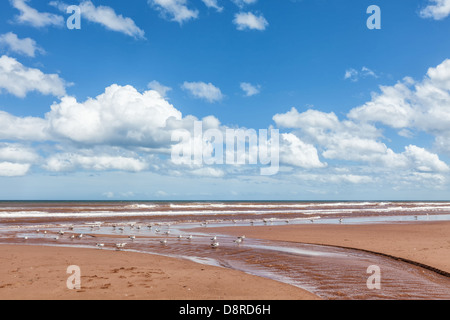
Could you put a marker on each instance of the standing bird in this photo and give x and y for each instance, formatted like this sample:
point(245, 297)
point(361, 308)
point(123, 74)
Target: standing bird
point(215, 244)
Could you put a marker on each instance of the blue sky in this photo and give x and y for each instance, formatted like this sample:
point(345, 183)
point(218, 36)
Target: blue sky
point(363, 114)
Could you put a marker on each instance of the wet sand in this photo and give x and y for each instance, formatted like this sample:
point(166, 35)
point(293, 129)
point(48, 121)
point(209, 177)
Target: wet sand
point(423, 242)
point(39, 272)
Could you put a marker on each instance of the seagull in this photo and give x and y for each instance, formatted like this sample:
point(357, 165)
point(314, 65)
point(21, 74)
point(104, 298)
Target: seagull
point(132, 238)
point(80, 236)
point(167, 232)
point(120, 245)
point(215, 245)
point(238, 240)
point(180, 236)
point(56, 238)
point(100, 245)
point(61, 233)
point(189, 237)
point(242, 237)
point(25, 238)
point(214, 238)
point(163, 241)
point(72, 237)
point(340, 220)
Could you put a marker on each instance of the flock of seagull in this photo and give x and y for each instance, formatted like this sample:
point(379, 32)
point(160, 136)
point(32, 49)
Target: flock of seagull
point(121, 245)
point(157, 229)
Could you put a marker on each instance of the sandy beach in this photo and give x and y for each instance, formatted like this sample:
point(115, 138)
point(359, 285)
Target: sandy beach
point(291, 251)
point(38, 272)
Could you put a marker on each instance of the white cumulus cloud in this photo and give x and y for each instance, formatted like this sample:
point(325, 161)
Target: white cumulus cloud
point(250, 21)
point(26, 46)
point(174, 10)
point(160, 88)
point(31, 16)
point(119, 116)
point(9, 169)
point(436, 9)
point(250, 89)
point(19, 80)
point(202, 90)
point(213, 4)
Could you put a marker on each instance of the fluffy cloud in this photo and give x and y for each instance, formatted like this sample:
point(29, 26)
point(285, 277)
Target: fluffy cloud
point(119, 116)
point(202, 90)
point(25, 129)
point(175, 10)
point(355, 142)
point(424, 160)
point(31, 16)
point(422, 106)
point(161, 89)
point(213, 4)
point(250, 89)
point(295, 152)
point(26, 46)
point(17, 153)
point(19, 80)
point(8, 169)
point(107, 17)
point(15, 159)
point(248, 20)
point(436, 9)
